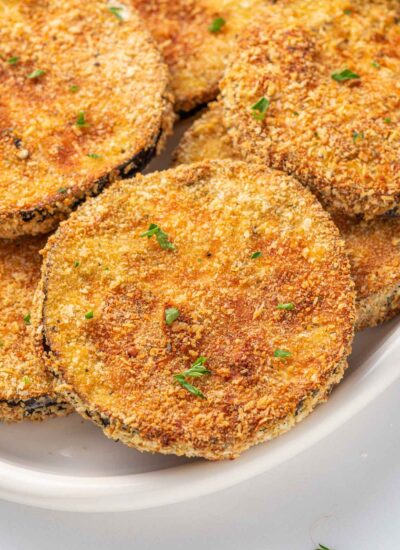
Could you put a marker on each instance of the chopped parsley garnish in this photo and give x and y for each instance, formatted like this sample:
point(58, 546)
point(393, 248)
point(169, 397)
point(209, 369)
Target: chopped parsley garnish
point(322, 547)
point(89, 315)
point(196, 371)
point(36, 74)
point(286, 307)
point(81, 120)
point(74, 88)
point(13, 60)
point(26, 380)
point(282, 353)
point(217, 24)
point(348, 11)
point(94, 156)
point(296, 113)
point(162, 238)
point(27, 318)
point(346, 74)
point(115, 10)
point(1, 343)
point(256, 255)
point(171, 315)
point(357, 136)
point(76, 263)
point(62, 190)
point(260, 108)
point(387, 120)
point(376, 65)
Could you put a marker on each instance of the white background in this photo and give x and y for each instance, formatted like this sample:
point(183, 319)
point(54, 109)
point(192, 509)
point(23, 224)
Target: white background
point(344, 492)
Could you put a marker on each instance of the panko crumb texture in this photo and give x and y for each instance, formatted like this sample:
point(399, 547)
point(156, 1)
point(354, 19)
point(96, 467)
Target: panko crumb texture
point(373, 246)
point(25, 390)
point(246, 240)
point(195, 54)
point(85, 100)
point(331, 73)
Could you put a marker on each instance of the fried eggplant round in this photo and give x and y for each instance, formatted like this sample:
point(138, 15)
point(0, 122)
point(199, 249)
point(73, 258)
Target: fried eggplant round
point(84, 101)
point(26, 392)
point(319, 98)
point(373, 246)
point(374, 251)
point(196, 37)
point(211, 308)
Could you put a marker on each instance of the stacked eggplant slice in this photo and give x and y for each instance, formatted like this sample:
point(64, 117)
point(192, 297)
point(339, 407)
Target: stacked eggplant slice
point(210, 307)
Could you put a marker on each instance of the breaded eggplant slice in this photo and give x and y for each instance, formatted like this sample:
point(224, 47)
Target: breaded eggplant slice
point(196, 37)
point(212, 308)
point(373, 246)
point(321, 100)
point(26, 392)
point(84, 101)
point(374, 251)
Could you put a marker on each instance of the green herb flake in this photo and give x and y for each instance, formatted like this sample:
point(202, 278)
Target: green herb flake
point(171, 315)
point(74, 89)
point(162, 238)
point(26, 380)
point(260, 108)
point(1, 343)
point(217, 24)
point(256, 255)
point(62, 190)
point(346, 74)
point(94, 156)
point(36, 74)
point(387, 120)
point(376, 65)
point(81, 120)
point(13, 60)
point(282, 353)
point(76, 263)
point(357, 136)
point(89, 315)
point(115, 10)
point(196, 371)
point(286, 307)
point(27, 318)
point(348, 11)
point(322, 547)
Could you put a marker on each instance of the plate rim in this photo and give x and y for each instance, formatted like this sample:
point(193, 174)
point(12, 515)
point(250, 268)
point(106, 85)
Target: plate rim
point(130, 492)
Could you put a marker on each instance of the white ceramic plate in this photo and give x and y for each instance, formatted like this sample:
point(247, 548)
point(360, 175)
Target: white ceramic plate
point(67, 464)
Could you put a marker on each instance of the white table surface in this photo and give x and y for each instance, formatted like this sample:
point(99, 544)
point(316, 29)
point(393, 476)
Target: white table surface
point(344, 493)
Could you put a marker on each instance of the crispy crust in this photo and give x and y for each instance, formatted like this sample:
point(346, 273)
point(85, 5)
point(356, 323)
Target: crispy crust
point(123, 93)
point(374, 251)
point(196, 57)
point(339, 138)
point(117, 368)
point(373, 247)
point(25, 390)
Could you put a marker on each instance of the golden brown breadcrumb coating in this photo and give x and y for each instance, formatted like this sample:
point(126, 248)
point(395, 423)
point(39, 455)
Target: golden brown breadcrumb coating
point(333, 89)
point(195, 55)
point(373, 246)
point(84, 101)
point(261, 285)
point(374, 251)
point(25, 390)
